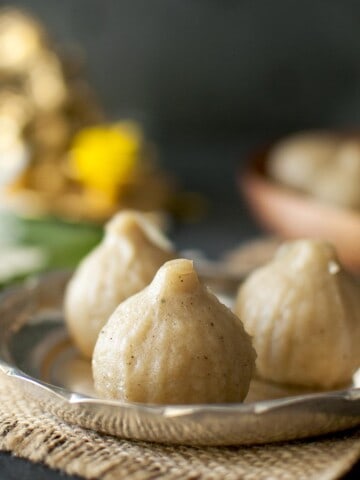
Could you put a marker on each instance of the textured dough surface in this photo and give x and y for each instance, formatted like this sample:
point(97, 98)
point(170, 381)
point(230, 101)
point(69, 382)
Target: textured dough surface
point(124, 263)
point(303, 311)
point(174, 342)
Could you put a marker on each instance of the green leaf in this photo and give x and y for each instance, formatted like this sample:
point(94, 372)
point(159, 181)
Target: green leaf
point(58, 244)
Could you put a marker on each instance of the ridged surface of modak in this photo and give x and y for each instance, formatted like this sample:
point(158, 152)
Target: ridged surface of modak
point(173, 343)
point(125, 262)
point(303, 311)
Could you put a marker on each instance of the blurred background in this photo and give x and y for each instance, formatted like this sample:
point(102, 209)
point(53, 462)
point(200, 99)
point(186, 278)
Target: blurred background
point(208, 69)
point(210, 82)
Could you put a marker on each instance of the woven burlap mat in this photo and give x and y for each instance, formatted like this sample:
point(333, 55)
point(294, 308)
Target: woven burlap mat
point(29, 432)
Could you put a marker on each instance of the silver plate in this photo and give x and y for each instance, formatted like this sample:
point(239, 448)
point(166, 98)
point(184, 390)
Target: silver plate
point(37, 357)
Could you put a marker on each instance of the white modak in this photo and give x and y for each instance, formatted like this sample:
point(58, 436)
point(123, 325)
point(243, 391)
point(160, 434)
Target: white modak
point(173, 343)
point(125, 262)
point(320, 163)
point(303, 311)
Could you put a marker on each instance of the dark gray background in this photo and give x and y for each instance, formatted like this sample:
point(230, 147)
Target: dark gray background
point(217, 68)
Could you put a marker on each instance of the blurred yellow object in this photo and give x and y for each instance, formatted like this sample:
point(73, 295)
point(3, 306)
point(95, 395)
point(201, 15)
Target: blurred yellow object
point(104, 157)
point(57, 156)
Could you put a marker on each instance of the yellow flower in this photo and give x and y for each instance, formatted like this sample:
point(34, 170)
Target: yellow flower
point(103, 157)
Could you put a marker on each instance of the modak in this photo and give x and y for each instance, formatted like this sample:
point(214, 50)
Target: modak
point(173, 343)
point(125, 262)
point(322, 164)
point(303, 311)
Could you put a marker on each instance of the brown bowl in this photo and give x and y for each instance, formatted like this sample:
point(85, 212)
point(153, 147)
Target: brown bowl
point(291, 214)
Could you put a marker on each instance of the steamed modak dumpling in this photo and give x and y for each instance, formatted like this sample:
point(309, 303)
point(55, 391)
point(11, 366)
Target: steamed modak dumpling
point(320, 163)
point(125, 262)
point(303, 311)
point(297, 160)
point(173, 342)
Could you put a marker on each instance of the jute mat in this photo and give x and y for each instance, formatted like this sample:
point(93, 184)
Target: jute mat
point(27, 431)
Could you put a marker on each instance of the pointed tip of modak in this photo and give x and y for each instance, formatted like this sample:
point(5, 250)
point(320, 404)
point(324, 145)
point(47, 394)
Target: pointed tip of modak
point(134, 224)
point(309, 252)
point(180, 266)
point(177, 276)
